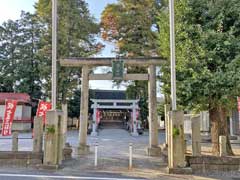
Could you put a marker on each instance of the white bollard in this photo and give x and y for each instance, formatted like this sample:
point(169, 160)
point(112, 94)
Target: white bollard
point(96, 155)
point(130, 155)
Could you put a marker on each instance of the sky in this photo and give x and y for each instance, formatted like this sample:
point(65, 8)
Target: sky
point(11, 9)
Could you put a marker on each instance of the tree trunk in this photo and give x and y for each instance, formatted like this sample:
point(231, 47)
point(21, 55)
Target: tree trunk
point(213, 114)
point(219, 126)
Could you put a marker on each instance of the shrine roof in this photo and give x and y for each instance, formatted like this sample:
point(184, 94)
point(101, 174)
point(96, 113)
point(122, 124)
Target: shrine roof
point(108, 94)
point(21, 97)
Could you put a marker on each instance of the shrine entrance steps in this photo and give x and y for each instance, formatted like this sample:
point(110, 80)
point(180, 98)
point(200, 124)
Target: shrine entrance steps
point(112, 124)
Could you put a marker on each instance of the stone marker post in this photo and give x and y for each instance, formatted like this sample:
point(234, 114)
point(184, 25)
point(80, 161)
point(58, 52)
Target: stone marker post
point(83, 147)
point(223, 145)
point(166, 111)
point(38, 134)
point(176, 152)
point(15, 141)
point(65, 122)
point(53, 142)
point(94, 124)
point(134, 119)
point(153, 149)
point(196, 135)
point(204, 122)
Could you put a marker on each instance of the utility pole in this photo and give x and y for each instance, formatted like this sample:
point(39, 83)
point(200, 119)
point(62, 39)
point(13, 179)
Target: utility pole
point(54, 54)
point(172, 47)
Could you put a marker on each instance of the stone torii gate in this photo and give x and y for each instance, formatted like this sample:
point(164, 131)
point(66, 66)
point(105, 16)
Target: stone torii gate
point(87, 63)
point(115, 104)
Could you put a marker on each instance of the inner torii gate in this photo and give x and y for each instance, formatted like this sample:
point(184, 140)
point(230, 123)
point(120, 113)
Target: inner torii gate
point(88, 63)
point(115, 104)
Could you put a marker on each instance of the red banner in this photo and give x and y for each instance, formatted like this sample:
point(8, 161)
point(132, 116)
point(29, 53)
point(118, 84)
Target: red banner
point(98, 114)
point(10, 108)
point(137, 114)
point(43, 107)
point(238, 100)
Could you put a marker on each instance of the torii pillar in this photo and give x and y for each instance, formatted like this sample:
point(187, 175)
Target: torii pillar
point(154, 148)
point(94, 123)
point(83, 148)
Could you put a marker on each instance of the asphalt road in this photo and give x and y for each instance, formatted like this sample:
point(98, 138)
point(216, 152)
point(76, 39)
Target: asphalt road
point(33, 174)
point(58, 177)
point(103, 176)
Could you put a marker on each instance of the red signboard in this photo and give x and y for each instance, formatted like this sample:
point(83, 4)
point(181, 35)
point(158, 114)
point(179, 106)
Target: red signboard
point(43, 107)
point(10, 108)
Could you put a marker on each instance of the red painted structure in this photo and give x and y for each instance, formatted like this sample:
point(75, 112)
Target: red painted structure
point(23, 99)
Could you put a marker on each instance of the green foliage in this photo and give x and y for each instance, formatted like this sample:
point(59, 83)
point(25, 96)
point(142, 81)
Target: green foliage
point(207, 59)
point(143, 108)
point(131, 25)
point(25, 48)
point(77, 32)
point(19, 59)
point(160, 109)
point(8, 38)
point(207, 52)
point(50, 129)
point(176, 132)
point(74, 103)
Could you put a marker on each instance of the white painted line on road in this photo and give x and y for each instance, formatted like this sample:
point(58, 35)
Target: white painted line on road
point(64, 177)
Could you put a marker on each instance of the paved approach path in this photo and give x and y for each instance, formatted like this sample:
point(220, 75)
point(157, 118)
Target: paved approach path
point(113, 160)
point(113, 151)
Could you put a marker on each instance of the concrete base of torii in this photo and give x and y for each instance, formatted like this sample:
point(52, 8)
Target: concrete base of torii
point(54, 138)
point(176, 144)
point(134, 134)
point(94, 134)
point(83, 149)
point(154, 151)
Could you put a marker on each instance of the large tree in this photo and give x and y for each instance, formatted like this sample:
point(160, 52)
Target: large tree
point(8, 55)
point(131, 25)
point(208, 61)
point(20, 60)
point(77, 32)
